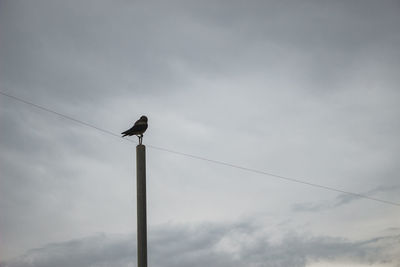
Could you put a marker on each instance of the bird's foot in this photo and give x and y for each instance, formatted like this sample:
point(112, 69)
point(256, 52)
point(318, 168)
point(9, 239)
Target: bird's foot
point(140, 139)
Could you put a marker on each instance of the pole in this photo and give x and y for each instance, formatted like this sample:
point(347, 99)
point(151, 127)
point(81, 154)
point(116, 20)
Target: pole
point(141, 205)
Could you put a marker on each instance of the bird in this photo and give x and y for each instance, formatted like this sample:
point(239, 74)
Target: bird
point(137, 129)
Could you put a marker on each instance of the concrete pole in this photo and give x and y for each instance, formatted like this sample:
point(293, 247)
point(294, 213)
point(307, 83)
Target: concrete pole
point(141, 205)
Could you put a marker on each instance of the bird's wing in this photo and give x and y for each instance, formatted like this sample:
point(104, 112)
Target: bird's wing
point(139, 129)
point(136, 129)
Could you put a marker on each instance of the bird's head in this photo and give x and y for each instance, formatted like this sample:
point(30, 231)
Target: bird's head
point(143, 118)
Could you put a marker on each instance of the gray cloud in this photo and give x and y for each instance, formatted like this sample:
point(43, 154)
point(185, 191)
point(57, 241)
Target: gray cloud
point(300, 89)
point(342, 199)
point(211, 245)
point(90, 52)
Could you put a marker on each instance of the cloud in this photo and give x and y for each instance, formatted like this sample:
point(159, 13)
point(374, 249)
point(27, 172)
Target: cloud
point(340, 200)
point(299, 89)
point(220, 245)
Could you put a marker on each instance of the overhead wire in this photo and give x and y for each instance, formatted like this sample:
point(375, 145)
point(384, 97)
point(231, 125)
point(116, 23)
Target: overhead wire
point(203, 158)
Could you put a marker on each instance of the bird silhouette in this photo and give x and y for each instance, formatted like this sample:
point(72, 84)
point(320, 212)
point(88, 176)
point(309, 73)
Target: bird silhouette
point(137, 129)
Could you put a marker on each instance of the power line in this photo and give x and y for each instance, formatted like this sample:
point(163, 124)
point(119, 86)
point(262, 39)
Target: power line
point(203, 158)
point(276, 176)
point(59, 114)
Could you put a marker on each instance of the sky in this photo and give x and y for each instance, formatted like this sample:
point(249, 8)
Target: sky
point(307, 90)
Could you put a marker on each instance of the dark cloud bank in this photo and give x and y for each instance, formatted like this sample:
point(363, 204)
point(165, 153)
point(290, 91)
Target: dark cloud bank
point(242, 244)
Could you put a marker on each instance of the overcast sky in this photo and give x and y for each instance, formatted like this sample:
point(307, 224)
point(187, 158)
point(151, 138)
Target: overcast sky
point(303, 89)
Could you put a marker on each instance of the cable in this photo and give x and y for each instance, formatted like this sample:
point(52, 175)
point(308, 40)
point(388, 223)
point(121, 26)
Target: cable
point(60, 114)
point(203, 158)
point(275, 175)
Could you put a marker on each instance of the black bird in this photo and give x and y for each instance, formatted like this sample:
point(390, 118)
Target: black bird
point(137, 129)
